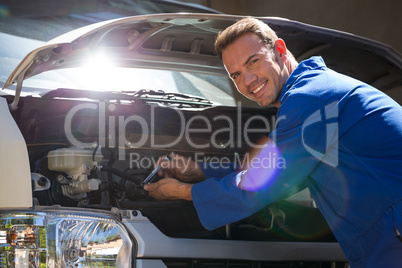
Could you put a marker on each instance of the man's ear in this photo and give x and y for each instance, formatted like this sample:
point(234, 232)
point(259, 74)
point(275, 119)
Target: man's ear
point(280, 47)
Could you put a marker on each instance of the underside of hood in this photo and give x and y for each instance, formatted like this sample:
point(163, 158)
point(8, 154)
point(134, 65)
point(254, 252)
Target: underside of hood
point(185, 42)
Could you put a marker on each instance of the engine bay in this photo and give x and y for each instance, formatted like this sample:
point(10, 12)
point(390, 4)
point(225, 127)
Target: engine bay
point(97, 154)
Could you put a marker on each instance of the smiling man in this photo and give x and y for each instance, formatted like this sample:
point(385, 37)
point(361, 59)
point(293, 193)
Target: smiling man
point(258, 71)
point(324, 135)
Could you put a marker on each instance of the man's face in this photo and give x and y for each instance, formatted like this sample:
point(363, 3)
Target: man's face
point(254, 70)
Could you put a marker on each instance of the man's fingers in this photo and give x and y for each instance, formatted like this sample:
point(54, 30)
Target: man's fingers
point(150, 187)
point(169, 189)
point(157, 190)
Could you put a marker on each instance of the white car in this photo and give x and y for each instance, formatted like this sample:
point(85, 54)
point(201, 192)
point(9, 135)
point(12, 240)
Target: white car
point(85, 116)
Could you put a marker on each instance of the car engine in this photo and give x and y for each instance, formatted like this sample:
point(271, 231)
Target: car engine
point(108, 150)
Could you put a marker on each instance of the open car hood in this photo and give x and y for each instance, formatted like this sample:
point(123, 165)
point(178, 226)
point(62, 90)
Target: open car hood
point(186, 42)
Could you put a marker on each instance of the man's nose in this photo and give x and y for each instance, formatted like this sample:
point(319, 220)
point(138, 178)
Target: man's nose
point(249, 78)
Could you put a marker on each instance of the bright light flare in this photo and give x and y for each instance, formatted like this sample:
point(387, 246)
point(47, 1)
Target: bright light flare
point(98, 67)
point(261, 168)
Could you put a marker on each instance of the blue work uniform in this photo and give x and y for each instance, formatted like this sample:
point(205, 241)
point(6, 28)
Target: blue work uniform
point(341, 136)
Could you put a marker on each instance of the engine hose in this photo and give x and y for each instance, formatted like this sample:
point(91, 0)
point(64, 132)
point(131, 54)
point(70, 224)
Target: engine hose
point(123, 175)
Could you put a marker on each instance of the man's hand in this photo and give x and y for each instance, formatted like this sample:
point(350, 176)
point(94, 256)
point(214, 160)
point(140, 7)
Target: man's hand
point(169, 189)
point(181, 168)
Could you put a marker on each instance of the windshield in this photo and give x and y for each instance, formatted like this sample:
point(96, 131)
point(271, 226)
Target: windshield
point(22, 31)
point(217, 89)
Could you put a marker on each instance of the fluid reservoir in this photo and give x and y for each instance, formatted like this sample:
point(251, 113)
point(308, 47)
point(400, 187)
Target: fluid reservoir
point(15, 174)
point(74, 161)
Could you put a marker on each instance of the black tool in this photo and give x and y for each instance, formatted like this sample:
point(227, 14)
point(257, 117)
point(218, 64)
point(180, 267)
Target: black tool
point(151, 176)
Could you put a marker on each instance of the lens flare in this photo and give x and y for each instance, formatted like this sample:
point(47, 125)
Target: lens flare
point(261, 168)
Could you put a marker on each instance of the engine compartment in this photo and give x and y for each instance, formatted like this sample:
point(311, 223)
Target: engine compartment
point(97, 153)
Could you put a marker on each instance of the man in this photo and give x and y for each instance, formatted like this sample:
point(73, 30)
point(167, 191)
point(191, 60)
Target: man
point(340, 136)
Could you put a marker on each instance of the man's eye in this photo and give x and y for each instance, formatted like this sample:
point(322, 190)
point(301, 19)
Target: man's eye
point(235, 76)
point(253, 61)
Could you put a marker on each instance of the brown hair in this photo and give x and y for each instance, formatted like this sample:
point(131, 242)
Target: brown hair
point(242, 27)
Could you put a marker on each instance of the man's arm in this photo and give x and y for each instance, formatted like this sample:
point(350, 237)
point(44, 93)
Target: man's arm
point(280, 167)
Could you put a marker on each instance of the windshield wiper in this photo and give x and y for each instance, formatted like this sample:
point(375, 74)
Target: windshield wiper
point(160, 95)
point(178, 100)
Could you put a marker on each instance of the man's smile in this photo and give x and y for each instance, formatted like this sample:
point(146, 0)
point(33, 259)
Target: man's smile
point(255, 91)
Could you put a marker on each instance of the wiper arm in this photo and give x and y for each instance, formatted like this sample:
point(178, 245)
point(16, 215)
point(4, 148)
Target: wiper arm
point(160, 95)
point(179, 100)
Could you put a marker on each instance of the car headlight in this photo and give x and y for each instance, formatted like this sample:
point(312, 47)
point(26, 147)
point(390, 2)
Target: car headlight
point(63, 238)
